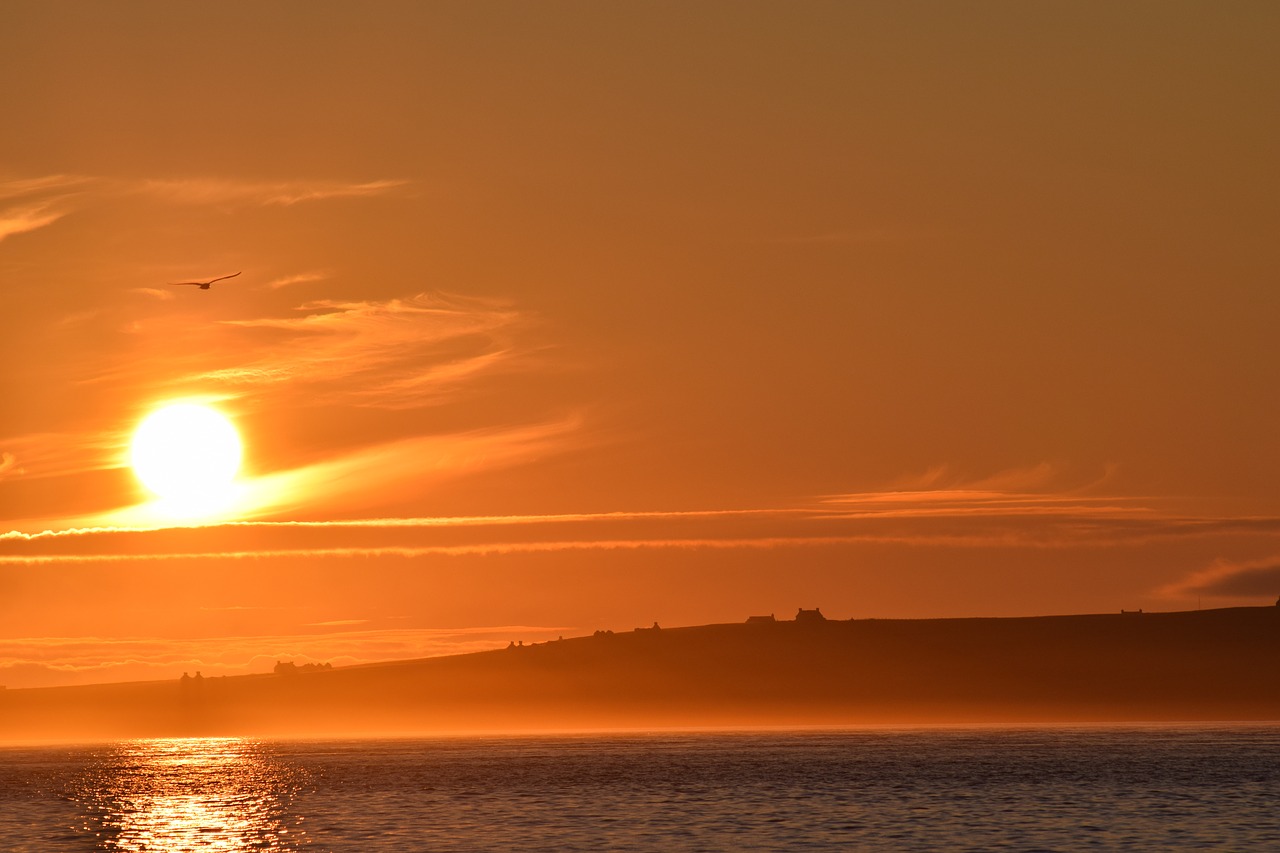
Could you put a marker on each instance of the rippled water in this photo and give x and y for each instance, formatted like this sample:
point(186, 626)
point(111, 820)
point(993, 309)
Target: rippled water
point(981, 789)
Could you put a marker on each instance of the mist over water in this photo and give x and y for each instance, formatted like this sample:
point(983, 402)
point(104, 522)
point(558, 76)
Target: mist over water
point(1043, 788)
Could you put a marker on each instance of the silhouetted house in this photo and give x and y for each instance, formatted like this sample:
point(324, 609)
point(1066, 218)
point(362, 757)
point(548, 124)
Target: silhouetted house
point(291, 668)
point(814, 615)
point(656, 627)
point(761, 620)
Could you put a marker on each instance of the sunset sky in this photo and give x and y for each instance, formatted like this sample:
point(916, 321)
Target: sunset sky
point(558, 316)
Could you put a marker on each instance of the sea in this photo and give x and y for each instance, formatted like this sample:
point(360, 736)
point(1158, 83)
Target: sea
point(1045, 788)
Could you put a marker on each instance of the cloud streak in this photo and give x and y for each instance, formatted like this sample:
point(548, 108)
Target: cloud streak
point(28, 204)
point(8, 465)
point(1029, 491)
point(1231, 579)
point(358, 478)
point(207, 191)
point(44, 185)
point(406, 352)
point(19, 219)
point(57, 454)
point(1084, 526)
point(298, 278)
point(33, 203)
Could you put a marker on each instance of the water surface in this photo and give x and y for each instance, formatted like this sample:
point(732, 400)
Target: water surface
point(1208, 787)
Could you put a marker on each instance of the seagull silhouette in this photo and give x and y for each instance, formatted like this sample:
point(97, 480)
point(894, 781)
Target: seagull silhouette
point(203, 285)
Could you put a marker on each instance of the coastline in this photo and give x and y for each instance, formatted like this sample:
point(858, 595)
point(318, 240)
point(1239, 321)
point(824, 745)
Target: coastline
point(1181, 667)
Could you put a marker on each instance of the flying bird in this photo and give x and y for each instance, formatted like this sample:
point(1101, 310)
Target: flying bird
point(203, 285)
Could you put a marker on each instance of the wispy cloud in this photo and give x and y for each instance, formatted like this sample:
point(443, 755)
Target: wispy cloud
point(406, 352)
point(369, 473)
point(156, 293)
point(20, 187)
point(427, 523)
point(485, 549)
point(28, 204)
point(1232, 579)
point(1084, 526)
point(22, 218)
point(282, 193)
point(298, 278)
point(362, 477)
point(948, 512)
point(401, 535)
point(394, 354)
point(8, 465)
point(33, 203)
point(59, 454)
point(1036, 490)
point(1041, 478)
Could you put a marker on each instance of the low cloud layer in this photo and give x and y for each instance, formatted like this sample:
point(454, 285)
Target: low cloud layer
point(47, 661)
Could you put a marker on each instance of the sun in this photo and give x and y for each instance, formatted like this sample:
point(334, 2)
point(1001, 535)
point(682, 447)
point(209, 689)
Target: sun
point(188, 455)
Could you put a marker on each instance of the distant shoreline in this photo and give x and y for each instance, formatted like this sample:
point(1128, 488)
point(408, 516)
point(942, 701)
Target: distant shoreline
point(1186, 666)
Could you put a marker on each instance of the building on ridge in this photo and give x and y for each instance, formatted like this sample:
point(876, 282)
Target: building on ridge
point(761, 620)
point(814, 615)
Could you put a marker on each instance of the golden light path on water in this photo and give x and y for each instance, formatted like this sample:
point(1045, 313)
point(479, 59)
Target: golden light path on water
point(188, 794)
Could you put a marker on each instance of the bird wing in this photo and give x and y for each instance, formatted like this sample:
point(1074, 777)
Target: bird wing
point(221, 277)
point(181, 283)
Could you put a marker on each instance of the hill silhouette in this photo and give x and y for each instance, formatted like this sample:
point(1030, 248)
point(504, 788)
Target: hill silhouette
point(1199, 665)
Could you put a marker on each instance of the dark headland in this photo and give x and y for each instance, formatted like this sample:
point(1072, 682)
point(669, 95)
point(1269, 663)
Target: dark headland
point(1210, 665)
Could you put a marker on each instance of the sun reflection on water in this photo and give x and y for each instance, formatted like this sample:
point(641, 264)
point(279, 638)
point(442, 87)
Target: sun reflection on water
point(190, 794)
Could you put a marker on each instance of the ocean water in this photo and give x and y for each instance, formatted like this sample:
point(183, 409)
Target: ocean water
point(1138, 788)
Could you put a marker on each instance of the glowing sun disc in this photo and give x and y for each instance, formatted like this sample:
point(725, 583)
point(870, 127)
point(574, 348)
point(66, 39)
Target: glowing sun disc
point(186, 453)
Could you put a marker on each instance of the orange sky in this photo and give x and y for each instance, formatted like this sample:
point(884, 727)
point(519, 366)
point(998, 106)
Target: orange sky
point(561, 316)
